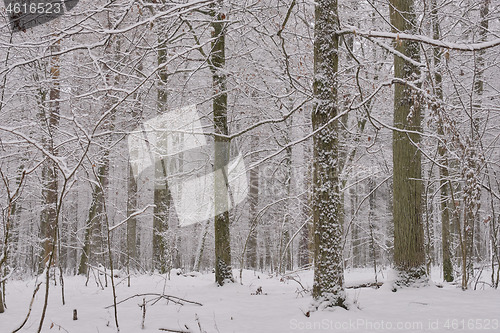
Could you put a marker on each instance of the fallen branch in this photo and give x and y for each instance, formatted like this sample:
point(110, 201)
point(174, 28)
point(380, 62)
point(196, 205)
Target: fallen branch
point(366, 285)
point(293, 278)
point(175, 299)
point(174, 331)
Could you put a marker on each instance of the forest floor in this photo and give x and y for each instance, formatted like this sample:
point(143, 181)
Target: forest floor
point(281, 307)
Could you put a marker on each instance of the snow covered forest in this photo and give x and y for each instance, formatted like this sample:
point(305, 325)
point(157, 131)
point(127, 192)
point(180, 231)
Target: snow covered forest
point(280, 158)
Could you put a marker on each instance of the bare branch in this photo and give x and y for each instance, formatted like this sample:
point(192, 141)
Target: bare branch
point(421, 39)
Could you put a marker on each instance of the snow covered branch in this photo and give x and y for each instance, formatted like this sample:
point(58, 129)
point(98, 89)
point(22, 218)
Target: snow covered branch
point(421, 39)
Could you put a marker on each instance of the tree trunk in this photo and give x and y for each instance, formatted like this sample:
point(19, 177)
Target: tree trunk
point(2, 308)
point(50, 117)
point(409, 254)
point(306, 235)
point(443, 169)
point(160, 219)
point(132, 195)
point(328, 287)
point(480, 67)
point(201, 246)
point(269, 250)
point(285, 251)
point(356, 232)
point(371, 224)
point(131, 222)
point(223, 271)
point(472, 160)
point(162, 198)
point(253, 198)
point(95, 221)
point(484, 10)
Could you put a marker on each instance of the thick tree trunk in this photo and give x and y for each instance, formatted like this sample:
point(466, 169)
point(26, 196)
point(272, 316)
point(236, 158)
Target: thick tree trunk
point(223, 271)
point(93, 229)
point(409, 254)
point(328, 287)
point(160, 219)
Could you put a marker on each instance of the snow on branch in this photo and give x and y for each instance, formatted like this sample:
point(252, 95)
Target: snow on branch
point(421, 39)
point(134, 214)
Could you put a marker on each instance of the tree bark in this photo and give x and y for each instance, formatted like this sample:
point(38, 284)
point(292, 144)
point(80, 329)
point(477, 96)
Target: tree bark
point(95, 221)
point(328, 287)
point(223, 271)
point(409, 254)
point(162, 197)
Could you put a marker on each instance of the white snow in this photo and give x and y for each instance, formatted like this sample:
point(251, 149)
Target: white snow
point(233, 308)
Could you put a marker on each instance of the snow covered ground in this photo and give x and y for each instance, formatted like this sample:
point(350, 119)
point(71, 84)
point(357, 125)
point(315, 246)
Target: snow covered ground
point(281, 307)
